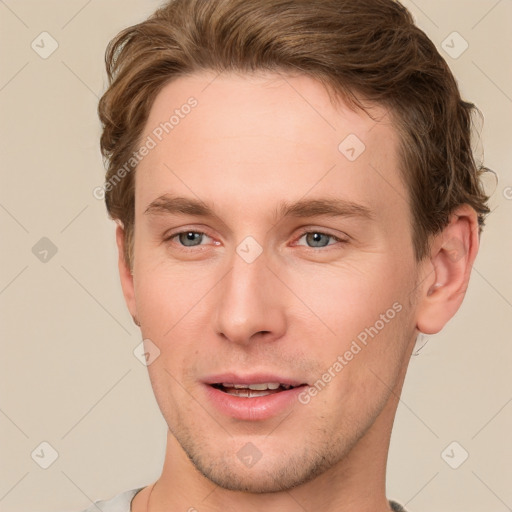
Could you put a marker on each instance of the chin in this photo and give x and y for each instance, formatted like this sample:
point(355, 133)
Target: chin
point(255, 481)
point(279, 472)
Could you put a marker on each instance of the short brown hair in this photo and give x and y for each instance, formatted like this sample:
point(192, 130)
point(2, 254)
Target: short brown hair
point(364, 49)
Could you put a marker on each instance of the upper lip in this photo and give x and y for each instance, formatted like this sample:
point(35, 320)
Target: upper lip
point(254, 378)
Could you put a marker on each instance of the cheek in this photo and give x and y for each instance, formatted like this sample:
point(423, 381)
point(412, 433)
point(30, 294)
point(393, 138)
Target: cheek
point(165, 293)
point(344, 300)
point(364, 323)
point(172, 306)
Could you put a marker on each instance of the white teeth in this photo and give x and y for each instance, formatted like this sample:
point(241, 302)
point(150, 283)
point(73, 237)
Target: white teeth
point(248, 393)
point(259, 387)
point(254, 387)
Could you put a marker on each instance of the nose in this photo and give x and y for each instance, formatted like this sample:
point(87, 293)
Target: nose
point(250, 303)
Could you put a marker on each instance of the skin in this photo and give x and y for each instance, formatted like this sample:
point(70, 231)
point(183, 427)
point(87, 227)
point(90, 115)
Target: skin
point(251, 142)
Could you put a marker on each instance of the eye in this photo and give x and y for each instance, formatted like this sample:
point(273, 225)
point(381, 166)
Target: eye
point(319, 239)
point(188, 238)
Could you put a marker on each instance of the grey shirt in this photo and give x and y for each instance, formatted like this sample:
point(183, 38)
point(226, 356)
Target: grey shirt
point(122, 503)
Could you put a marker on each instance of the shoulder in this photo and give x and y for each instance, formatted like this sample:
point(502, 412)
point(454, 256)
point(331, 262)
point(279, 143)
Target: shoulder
point(395, 507)
point(119, 503)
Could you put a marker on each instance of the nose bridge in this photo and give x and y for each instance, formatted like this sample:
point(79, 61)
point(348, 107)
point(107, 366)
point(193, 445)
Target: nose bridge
point(248, 300)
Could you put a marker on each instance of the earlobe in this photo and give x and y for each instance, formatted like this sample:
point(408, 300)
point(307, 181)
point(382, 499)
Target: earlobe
point(447, 272)
point(125, 273)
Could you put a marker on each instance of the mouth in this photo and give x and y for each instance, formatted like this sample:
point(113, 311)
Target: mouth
point(253, 390)
point(252, 397)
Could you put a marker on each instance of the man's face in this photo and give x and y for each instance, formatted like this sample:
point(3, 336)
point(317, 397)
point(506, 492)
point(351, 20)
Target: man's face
point(247, 296)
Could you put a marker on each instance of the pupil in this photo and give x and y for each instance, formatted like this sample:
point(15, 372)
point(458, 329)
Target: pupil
point(316, 238)
point(189, 237)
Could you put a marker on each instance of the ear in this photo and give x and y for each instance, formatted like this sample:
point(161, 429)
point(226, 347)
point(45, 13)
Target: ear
point(446, 273)
point(125, 273)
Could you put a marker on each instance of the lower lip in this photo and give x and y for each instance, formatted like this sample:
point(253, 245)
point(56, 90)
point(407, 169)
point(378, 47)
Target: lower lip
point(253, 409)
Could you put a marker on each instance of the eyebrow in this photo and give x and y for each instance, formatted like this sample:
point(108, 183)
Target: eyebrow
point(167, 204)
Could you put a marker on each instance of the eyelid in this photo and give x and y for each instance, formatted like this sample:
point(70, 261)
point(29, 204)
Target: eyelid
point(186, 229)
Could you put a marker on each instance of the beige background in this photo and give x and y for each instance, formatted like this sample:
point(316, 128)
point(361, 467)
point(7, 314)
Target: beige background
point(68, 373)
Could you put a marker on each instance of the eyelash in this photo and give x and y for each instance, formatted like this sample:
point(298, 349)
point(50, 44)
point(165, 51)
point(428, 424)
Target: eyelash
point(304, 233)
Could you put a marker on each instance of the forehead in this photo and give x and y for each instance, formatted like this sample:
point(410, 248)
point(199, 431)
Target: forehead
point(266, 137)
